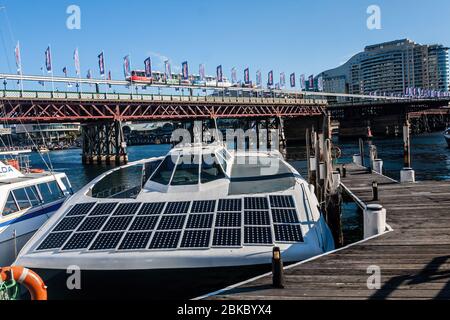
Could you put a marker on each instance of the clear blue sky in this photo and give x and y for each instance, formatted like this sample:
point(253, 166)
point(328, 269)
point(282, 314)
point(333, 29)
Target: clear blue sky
point(285, 35)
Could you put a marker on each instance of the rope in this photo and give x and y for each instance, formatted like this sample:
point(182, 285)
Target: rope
point(9, 290)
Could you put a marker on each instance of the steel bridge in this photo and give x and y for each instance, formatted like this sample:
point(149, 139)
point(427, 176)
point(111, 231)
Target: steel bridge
point(101, 114)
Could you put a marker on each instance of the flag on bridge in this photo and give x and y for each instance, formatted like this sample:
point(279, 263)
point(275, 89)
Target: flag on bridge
point(101, 64)
point(233, 76)
point(302, 82)
point(48, 60)
point(282, 79)
point(219, 74)
point(247, 76)
point(258, 78)
point(293, 80)
point(201, 72)
point(148, 67)
point(320, 83)
point(126, 66)
point(311, 82)
point(167, 70)
point(76, 59)
point(185, 70)
point(18, 58)
point(270, 78)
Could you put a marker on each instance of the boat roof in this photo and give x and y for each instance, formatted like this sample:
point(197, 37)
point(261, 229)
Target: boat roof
point(249, 176)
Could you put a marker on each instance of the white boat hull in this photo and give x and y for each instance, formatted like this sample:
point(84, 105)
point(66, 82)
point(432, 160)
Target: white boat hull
point(16, 233)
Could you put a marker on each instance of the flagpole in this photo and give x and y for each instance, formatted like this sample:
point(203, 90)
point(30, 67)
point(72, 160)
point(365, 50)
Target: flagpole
point(51, 68)
point(104, 70)
point(20, 68)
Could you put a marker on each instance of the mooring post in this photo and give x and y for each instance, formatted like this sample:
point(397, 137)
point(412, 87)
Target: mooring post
point(407, 175)
point(277, 269)
point(374, 220)
point(361, 151)
point(308, 154)
point(375, 191)
point(317, 164)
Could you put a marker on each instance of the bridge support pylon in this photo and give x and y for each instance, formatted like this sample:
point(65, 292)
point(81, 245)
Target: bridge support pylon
point(104, 143)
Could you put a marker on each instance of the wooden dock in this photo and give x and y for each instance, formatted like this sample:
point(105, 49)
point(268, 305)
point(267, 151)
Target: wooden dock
point(414, 258)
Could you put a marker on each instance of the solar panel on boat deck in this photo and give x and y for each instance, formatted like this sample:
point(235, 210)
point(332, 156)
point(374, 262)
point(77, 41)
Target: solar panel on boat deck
point(288, 233)
point(230, 205)
point(127, 209)
point(177, 207)
point(259, 203)
point(151, 209)
point(69, 224)
point(174, 222)
point(92, 223)
point(203, 206)
point(196, 239)
point(106, 241)
point(258, 235)
point(227, 238)
point(228, 219)
point(102, 209)
point(200, 221)
point(118, 223)
point(79, 241)
point(81, 209)
point(54, 240)
point(135, 240)
point(282, 202)
point(257, 218)
point(144, 223)
point(284, 216)
point(165, 240)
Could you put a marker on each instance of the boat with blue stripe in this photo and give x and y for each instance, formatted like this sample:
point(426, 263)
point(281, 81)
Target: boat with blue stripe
point(28, 198)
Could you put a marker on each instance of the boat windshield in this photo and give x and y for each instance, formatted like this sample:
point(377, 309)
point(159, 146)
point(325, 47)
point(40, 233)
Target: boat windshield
point(164, 172)
point(186, 172)
point(211, 169)
point(189, 170)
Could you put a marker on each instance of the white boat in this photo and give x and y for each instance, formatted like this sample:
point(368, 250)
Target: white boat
point(27, 201)
point(194, 219)
point(447, 136)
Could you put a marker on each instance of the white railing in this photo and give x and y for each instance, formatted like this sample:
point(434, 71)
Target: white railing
point(152, 97)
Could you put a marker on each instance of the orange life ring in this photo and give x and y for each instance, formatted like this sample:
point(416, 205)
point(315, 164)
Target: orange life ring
point(37, 170)
point(34, 284)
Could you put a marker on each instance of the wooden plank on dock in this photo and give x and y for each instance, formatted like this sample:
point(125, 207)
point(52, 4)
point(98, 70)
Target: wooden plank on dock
point(414, 259)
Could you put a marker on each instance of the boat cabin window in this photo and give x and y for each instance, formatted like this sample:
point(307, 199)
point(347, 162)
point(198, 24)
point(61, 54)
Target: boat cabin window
point(22, 199)
point(10, 206)
point(186, 172)
point(164, 172)
point(211, 169)
point(66, 183)
point(50, 192)
point(33, 195)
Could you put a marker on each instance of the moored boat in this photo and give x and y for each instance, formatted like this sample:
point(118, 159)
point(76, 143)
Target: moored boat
point(203, 215)
point(28, 198)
